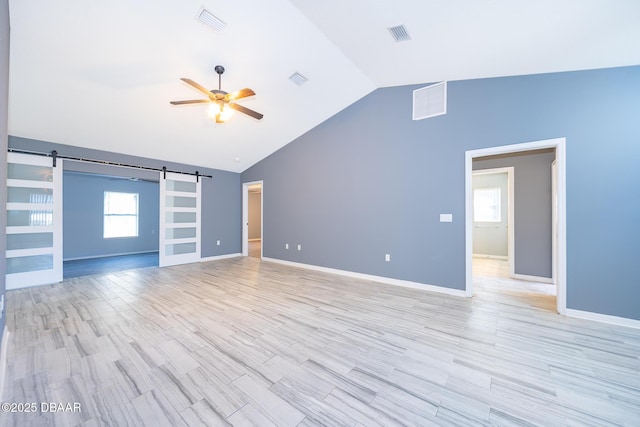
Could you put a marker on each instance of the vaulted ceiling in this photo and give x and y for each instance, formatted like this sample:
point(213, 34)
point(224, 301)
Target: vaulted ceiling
point(100, 74)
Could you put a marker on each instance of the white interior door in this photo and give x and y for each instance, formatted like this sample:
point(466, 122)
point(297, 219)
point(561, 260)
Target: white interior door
point(34, 221)
point(179, 219)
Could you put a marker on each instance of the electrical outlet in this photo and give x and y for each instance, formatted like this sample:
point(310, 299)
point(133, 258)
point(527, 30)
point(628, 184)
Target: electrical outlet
point(286, 246)
point(299, 247)
point(387, 257)
point(218, 242)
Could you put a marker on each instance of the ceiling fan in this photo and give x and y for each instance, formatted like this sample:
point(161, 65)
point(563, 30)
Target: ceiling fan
point(220, 100)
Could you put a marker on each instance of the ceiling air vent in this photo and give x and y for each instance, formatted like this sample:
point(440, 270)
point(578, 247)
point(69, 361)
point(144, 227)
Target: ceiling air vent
point(210, 20)
point(430, 101)
point(399, 33)
point(298, 78)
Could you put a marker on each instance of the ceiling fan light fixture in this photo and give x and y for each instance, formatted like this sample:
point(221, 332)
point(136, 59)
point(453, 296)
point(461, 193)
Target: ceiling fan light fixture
point(218, 99)
point(225, 114)
point(213, 110)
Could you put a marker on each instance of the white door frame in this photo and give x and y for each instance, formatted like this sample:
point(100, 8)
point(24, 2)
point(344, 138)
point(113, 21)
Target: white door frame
point(245, 217)
point(559, 144)
point(554, 222)
point(510, 218)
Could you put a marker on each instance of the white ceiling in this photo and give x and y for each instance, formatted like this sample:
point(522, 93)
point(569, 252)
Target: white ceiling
point(100, 74)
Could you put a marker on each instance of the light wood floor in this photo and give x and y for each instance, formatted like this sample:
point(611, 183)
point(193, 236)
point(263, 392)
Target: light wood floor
point(489, 267)
point(491, 280)
point(255, 248)
point(243, 342)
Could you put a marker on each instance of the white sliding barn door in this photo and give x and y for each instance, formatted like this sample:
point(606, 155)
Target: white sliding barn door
point(179, 219)
point(34, 221)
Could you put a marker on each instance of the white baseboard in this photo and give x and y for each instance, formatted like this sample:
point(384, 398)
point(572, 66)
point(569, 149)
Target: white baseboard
point(500, 257)
point(219, 257)
point(380, 279)
point(3, 360)
point(108, 255)
point(528, 278)
point(604, 318)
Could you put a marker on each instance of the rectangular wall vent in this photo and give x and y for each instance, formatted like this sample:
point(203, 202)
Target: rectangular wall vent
point(298, 78)
point(399, 33)
point(210, 20)
point(430, 101)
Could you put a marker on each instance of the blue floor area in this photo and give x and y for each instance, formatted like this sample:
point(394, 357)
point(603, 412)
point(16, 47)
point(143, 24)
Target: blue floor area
point(86, 267)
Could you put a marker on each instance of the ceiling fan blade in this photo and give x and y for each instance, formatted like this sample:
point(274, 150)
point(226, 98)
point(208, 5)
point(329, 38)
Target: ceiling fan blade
point(242, 93)
point(197, 86)
point(246, 111)
point(191, 101)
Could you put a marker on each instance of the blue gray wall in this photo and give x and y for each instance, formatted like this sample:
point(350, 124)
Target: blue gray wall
point(532, 208)
point(4, 101)
point(221, 195)
point(83, 207)
point(379, 181)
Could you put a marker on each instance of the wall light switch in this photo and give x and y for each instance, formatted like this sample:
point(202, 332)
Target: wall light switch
point(446, 217)
point(286, 246)
point(218, 242)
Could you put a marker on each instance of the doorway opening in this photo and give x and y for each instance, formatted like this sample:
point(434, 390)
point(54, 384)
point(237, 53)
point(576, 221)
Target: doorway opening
point(538, 275)
point(252, 236)
point(106, 234)
point(493, 214)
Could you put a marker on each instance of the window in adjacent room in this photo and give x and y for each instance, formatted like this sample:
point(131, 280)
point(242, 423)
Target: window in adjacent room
point(486, 205)
point(120, 214)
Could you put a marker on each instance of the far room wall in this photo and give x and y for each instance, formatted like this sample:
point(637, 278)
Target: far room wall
point(83, 213)
point(255, 226)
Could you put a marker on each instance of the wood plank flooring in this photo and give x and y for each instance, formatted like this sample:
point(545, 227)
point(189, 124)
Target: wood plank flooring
point(255, 248)
point(248, 343)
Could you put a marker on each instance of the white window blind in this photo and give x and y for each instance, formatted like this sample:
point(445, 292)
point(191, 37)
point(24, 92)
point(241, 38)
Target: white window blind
point(120, 214)
point(486, 205)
